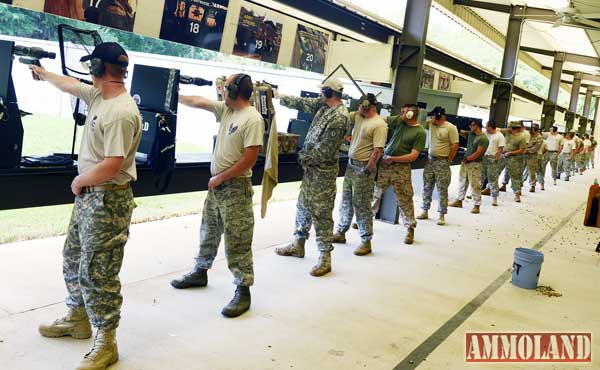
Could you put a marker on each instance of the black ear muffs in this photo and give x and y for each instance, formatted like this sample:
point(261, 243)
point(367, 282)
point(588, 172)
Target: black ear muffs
point(96, 67)
point(233, 90)
point(368, 100)
point(327, 92)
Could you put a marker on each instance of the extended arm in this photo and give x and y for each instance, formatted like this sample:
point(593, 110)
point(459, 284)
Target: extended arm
point(66, 84)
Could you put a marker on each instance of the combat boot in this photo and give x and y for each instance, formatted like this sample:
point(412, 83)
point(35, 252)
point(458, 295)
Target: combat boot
point(518, 197)
point(294, 249)
point(532, 189)
point(410, 236)
point(339, 237)
point(495, 201)
point(104, 352)
point(503, 187)
point(239, 304)
point(363, 249)
point(475, 209)
point(456, 204)
point(441, 220)
point(542, 187)
point(423, 216)
point(75, 324)
point(486, 191)
point(355, 226)
point(196, 278)
point(323, 266)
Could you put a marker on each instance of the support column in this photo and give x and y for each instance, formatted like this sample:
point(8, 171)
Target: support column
point(411, 55)
point(502, 93)
point(570, 115)
point(587, 105)
point(595, 118)
point(549, 108)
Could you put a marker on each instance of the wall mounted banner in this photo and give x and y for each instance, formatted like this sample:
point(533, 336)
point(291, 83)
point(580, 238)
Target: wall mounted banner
point(258, 36)
point(310, 49)
point(194, 22)
point(111, 13)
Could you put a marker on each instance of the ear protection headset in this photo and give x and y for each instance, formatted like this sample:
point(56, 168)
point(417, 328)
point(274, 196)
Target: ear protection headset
point(368, 100)
point(412, 113)
point(233, 90)
point(327, 92)
point(97, 67)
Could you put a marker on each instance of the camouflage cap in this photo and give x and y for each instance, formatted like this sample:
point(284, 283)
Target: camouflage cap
point(514, 124)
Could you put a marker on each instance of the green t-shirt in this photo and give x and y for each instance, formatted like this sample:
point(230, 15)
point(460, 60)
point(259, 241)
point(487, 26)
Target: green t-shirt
point(404, 138)
point(474, 142)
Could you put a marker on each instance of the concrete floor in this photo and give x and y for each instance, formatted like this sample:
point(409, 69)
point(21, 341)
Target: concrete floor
point(370, 313)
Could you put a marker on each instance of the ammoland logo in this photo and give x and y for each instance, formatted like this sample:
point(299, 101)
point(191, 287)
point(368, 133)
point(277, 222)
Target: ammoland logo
point(529, 347)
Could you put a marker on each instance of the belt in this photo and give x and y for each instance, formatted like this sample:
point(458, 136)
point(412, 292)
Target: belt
point(224, 184)
point(552, 151)
point(107, 187)
point(437, 158)
point(357, 163)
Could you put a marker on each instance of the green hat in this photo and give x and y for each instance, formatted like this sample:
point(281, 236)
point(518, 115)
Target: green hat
point(514, 124)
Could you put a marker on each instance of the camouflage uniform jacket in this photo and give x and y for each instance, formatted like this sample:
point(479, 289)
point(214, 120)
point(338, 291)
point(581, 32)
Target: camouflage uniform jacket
point(326, 133)
point(535, 143)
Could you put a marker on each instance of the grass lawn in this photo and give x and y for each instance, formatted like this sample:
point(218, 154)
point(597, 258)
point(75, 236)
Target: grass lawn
point(46, 134)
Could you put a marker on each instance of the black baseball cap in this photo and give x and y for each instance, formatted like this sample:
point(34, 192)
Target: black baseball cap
point(109, 52)
point(437, 111)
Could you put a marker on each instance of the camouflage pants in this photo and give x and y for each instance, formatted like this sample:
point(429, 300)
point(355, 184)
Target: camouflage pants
point(565, 165)
point(579, 159)
point(470, 173)
point(228, 210)
point(315, 205)
point(515, 165)
point(436, 173)
point(357, 195)
point(491, 170)
point(532, 165)
point(93, 254)
point(588, 159)
point(553, 159)
point(541, 168)
point(397, 175)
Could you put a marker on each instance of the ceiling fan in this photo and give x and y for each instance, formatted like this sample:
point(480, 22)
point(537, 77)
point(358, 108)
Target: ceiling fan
point(570, 15)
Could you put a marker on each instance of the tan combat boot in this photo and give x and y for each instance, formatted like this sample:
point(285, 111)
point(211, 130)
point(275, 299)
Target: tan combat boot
point(423, 216)
point(323, 266)
point(104, 352)
point(518, 197)
point(363, 249)
point(339, 237)
point(456, 204)
point(495, 201)
point(441, 220)
point(75, 324)
point(532, 189)
point(486, 191)
point(475, 209)
point(294, 249)
point(503, 187)
point(410, 236)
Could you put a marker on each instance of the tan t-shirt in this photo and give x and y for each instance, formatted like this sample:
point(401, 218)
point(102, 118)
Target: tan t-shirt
point(238, 130)
point(515, 142)
point(113, 129)
point(441, 138)
point(367, 135)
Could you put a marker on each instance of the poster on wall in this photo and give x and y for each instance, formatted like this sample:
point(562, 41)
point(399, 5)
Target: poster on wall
point(310, 49)
point(444, 81)
point(194, 22)
point(427, 77)
point(111, 13)
point(258, 36)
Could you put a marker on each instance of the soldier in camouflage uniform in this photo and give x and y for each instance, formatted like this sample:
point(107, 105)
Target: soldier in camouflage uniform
point(533, 147)
point(493, 163)
point(404, 147)
point(567, 154)
point(228, 205)
point(554, 142)
point(99, 227)
point(578, 164)
point(443, 146)
point(543, 159)
point(514, 151)
point(366, 147)
point(319, 159)
point(593, 151)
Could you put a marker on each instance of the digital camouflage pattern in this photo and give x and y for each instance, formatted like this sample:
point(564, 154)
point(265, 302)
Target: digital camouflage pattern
point(436, 172)
point(515, 165)
point(553, 159)
point(491, 170)
point(93, 254)
point(398, 175)
point(565, 164)
point(532, 167)
point(357, 195)
point(533, 147)
point(470, 174)
point(319, 158)
point(228, 210)
point(541, 168)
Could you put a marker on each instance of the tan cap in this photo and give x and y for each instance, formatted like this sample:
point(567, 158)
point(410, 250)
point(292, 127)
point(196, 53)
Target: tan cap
point(514, 124)
point(333, 83)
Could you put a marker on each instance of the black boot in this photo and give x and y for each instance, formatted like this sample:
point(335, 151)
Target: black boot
point(239, 304)
point(196, 278)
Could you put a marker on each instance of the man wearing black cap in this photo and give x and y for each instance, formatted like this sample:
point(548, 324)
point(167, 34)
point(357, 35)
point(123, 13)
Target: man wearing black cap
point(99, 226)
point(443, 146)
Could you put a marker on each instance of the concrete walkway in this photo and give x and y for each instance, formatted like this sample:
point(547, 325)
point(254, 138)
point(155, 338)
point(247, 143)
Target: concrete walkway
point(370, 313)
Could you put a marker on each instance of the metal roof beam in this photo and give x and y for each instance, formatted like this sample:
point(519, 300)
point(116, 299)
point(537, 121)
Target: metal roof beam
point(573, 58)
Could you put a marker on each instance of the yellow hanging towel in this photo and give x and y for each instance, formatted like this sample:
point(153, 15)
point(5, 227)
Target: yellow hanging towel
point(271, 174)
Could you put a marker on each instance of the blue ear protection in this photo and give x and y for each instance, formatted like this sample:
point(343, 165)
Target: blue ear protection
point(327, 92)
